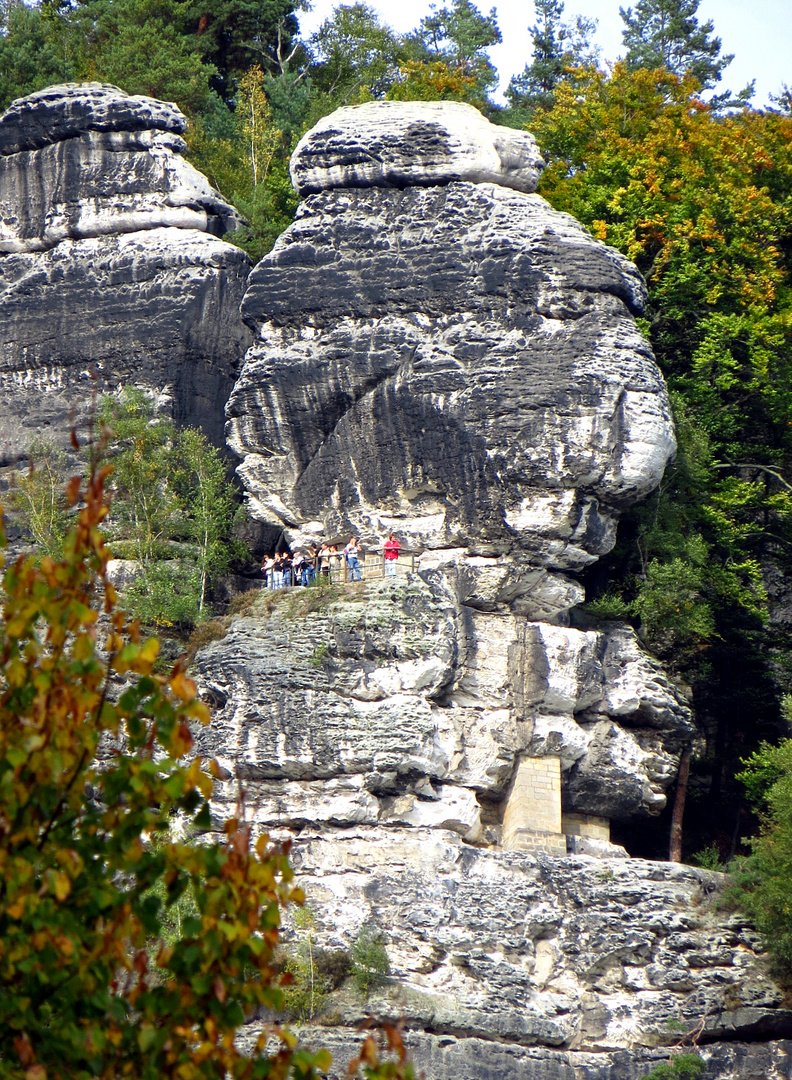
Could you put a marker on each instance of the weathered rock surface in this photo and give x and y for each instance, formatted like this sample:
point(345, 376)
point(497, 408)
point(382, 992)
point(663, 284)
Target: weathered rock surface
point(398, 705)
point(65, 111)
point(507, 965)
point(453, 360)
point(442, 355)
point(110, 267)
point(396, 144)
point(447, 1057)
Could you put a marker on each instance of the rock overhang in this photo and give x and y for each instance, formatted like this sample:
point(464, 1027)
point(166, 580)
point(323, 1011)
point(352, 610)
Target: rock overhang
point(403, 144)
point(83, 160)
point(460, 357)
point(67, 110)
point(111, 267)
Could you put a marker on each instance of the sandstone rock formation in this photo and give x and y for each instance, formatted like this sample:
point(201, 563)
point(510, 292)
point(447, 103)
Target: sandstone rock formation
point(111, 270)
point(380, 733)
point(398, 705)
point(452, 359)
point(442, 355)
point(532, 968)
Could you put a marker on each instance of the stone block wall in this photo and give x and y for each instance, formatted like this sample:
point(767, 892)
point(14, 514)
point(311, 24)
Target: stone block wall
point(586, 825)
point(532, 815)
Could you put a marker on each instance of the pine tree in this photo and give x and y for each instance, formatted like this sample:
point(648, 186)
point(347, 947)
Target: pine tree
point(666, 33)
point(557, 46)
point(460, 35)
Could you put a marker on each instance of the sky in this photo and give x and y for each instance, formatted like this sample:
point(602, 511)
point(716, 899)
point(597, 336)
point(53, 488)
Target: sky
point(759, 33)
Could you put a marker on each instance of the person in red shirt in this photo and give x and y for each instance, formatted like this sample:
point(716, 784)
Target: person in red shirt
point(392, 549)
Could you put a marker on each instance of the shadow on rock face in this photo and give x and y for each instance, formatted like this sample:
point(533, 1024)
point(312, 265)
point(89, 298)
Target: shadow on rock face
point(449, 357)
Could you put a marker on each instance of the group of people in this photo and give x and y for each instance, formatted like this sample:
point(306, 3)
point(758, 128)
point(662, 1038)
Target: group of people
point(324, 560)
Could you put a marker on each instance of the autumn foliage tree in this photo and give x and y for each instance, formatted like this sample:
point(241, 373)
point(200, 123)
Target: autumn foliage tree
point(92, 777)
point(702, 202)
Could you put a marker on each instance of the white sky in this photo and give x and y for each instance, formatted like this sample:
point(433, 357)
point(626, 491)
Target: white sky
point(759, 33)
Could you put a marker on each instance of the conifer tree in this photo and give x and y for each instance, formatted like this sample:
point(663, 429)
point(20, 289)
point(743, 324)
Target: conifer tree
point(557, 46)
point(666, 33)
point(460, 35)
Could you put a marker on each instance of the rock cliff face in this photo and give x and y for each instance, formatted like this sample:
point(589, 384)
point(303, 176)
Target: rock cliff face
point(442, 355)
point(111, 270)
point(450, 358)
point(382, 733)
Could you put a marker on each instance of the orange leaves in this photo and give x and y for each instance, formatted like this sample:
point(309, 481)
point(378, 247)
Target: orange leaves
point(370, 1060)
point(89, 876)
point(184, 688)
point(73, 490)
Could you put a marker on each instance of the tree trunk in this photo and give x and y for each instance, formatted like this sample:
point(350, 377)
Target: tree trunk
point(675, 847)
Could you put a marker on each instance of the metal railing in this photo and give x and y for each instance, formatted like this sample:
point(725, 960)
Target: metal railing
point(372, 568)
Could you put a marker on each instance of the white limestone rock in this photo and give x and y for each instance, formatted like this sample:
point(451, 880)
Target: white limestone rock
point(400, 143)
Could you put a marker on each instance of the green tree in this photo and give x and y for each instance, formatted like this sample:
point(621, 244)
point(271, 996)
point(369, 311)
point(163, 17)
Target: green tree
point(557, 46)
point(145, 513)
point(354, 54)
point(35, 50)
point(244, 156)
point(140, 46)
point(702, 203)
point(235, 33)
point(172, 510)
point(666, 33)
point(681, 1067)
point(202, 485)
point(37, 497)
point(370, 963)
point(89, 985)
point(761, 881)
point(459, 36)
point(254, 124)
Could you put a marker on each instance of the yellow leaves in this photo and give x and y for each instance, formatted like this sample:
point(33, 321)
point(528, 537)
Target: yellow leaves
point(198, 711)
point(64, 945)
point(133, 657)
point(147, 1033)
point(323, 1060)
point(16, 673)
point(83, 647)
point(82, 850)
point(59, 884)
point(182, 687)
point(181, 741)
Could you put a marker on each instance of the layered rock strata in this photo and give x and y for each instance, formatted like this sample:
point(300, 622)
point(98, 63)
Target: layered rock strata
point(397, 705)
point(448, 358)
point(382, 733)
point(111, 270)
point(526, 966)
point(443, 355)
